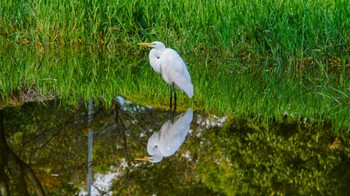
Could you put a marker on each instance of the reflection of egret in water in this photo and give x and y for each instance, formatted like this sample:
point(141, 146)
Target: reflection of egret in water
point(169, 139)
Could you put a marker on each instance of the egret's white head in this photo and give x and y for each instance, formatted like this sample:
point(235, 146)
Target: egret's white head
point(155, 45)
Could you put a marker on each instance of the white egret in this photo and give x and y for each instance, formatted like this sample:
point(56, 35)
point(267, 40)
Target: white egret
point(169, 139)
point(170, 65)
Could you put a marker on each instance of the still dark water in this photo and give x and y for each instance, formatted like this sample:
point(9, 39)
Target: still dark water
point(49, 144)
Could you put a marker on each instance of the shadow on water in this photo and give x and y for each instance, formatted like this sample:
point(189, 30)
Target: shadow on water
point(64, 146)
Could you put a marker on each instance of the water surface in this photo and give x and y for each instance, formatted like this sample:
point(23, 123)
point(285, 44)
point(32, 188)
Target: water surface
point(218, 156)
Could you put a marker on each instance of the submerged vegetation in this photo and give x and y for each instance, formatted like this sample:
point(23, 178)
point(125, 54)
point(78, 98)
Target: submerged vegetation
point(247, 58)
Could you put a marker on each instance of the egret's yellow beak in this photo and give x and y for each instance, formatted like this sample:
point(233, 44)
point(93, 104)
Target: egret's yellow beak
point(144, 44)
point(142, 159)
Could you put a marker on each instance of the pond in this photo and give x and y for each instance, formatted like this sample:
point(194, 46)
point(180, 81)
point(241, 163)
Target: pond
point(71, 150)
point(83, 113)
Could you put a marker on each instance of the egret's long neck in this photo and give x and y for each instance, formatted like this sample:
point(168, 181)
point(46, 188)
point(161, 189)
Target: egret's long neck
point(154, 59)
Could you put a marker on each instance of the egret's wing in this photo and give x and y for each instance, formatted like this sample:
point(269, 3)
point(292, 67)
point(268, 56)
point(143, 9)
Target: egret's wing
point(181, 125)
point(162, 137)
point(171, 139)
point(174, 70)
point(165, 126)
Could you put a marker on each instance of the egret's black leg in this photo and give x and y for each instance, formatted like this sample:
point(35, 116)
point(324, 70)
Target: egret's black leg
point(171, 97)
point(174, 97)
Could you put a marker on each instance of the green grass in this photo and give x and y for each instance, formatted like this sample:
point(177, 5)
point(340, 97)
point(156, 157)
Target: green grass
point(78, 73)
point(294, 34)
point(246, 57)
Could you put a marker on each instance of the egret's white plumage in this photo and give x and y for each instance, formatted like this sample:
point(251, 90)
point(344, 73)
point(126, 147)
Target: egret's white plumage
point(170, 65)
point(169, 139)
